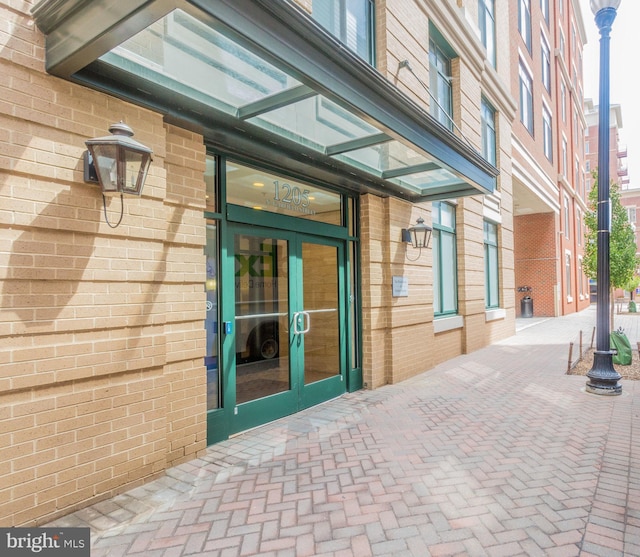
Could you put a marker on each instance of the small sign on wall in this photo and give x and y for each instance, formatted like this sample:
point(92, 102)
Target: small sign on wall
point(400, 286)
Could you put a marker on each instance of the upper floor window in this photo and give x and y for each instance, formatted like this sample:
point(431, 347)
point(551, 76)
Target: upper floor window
point(526, 98)
point(579, 226)
point(547, 138)
point(544, 8)
point(440, 55)
point(350, 21)
point(631, 214)
point(524, 21)
point(563, 101)
point(487, 24)
point(546, 63)
point(488, 126)
point(564, 161)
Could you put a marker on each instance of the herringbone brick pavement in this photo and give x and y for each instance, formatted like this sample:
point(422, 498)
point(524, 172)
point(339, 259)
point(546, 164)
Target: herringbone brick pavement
point(495, 453)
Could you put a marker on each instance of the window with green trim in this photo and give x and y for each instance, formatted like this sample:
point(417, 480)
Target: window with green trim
point(487, 25)
point(488, 128)
point(440, 79)
point(445, 261)
point(492, 291)
point(211, 251)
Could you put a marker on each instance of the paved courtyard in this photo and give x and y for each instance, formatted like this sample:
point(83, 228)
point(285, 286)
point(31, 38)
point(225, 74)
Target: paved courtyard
point(495, 453)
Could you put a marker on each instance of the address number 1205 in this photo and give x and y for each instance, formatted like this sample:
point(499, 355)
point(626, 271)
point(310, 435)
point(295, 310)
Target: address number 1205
point(294, 195)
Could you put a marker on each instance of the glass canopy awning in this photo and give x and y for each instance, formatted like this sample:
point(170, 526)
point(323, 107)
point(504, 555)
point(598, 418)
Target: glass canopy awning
point(259, 76)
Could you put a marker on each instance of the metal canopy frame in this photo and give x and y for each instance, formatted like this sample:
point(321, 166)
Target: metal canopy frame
point(81, 34)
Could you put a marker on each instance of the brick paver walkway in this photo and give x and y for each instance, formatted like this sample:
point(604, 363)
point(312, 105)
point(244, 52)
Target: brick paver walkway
point(495, 453)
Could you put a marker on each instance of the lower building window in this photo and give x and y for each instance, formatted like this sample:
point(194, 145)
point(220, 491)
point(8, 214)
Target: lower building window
point(492, 292)
point(567, 273)
point(445, 279)
point(211, 319)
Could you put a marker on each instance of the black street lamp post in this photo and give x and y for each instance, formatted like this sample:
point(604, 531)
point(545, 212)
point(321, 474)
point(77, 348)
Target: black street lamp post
point(603, 378)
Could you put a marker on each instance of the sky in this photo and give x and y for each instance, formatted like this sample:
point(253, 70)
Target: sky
point(624, 88)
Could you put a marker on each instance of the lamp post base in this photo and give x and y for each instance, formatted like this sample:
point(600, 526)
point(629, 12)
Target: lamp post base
point(603, 378)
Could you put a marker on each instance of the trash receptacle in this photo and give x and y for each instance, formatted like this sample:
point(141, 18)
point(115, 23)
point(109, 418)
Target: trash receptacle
point(526, 307)
point(622, 347)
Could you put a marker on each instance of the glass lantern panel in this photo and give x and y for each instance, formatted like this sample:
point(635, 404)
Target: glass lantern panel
point(134, 172)
point(105, 161)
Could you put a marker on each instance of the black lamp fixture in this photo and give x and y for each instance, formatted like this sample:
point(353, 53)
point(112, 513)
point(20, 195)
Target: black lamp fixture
point(118, 163)
point(603, 378)
point(418, 236)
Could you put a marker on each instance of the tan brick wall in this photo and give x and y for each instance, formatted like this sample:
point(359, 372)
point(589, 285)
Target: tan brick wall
point(185, 297)
point(373, 223)
point(101, 339)
point(399, 339)
point(101, 329)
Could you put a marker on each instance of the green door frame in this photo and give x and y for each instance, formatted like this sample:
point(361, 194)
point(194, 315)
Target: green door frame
point(256, 412)
point(229, 216)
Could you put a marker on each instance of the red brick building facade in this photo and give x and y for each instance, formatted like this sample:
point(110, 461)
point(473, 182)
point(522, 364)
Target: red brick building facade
point(548, 162)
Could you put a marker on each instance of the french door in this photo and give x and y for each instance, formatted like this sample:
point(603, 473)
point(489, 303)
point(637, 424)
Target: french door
point(286, 322)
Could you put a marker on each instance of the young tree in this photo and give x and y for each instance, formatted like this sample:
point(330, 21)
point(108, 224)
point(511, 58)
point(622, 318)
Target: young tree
point(623, 260)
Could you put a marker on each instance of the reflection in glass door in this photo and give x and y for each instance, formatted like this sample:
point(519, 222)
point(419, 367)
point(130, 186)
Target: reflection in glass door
point(261, 317)
point(321, 312)
point(288, 324)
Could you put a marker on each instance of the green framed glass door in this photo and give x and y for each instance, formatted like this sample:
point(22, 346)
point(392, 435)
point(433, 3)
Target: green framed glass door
point(286, 320)
point(318, 331)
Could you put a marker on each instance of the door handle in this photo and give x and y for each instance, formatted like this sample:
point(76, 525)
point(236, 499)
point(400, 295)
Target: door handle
point(296, 323)
point(301, 328)
point(307, 318)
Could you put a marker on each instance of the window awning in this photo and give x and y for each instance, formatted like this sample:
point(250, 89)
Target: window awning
point(260, 76)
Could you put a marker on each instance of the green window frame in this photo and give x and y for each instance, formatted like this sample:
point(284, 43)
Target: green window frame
point(445, 260)
point(487, 25)
point(488, 126)
point(212, 217)
point(440, 79)
point(491, 266)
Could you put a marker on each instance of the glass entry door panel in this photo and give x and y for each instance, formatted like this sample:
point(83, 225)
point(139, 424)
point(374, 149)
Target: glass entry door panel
point(261, 316)
point(321, 312)
point(288, 324)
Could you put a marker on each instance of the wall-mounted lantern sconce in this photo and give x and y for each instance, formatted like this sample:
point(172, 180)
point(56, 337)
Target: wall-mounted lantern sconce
point(418, 236)
point(118, 163)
